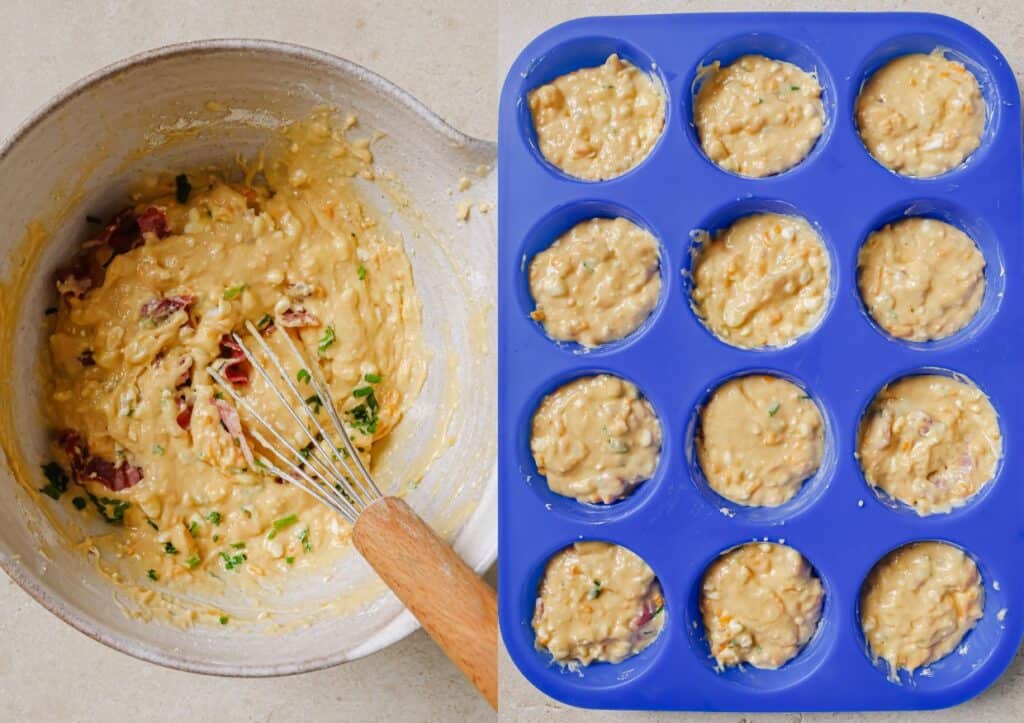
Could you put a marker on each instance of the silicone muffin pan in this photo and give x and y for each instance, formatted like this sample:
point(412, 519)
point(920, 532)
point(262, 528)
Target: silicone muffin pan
point(675, 521)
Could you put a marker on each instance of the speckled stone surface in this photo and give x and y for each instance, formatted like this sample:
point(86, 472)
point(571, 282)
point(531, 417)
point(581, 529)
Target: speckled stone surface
point(445, 55)
point(519, 22)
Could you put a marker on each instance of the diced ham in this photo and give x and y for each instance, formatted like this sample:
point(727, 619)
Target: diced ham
point(237, 368)
point(160, 308)
point(153, 220)
point(298, 318)
point(233, 424)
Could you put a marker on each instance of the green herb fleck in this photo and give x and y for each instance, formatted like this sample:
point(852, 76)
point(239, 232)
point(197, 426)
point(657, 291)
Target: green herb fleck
point(281, 524)
point(170, 549)
point(192, 562)
point(182, 188)
point(306, 451)
point(314, 401)
point(95, 220)
point(238, 545)
point(304, 539)
point(152, 524)
point(233, 561)
point(224, 619)
point(774, 409)
point(373, 378)
point(193, 528)
point(216, 538)
point(595, 591)
point(233, 292)
point(111, 510)
point(794, 87)
point(214, 517)
point(326, 340)
point(50, 310)
point(804, 396)
point(657, 612)
point(362, 392)
point(158, 449)
point(303, 376)
point(290, 560)
point(361, 272)
point(57, 480)
point(152, 575)
point(79, 503)
point(265, 321)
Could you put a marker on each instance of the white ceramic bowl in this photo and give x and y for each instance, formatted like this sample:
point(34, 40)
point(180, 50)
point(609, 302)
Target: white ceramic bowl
point(82, 152)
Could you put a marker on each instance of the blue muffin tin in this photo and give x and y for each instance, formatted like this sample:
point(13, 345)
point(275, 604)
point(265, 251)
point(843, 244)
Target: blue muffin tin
point(674, 521)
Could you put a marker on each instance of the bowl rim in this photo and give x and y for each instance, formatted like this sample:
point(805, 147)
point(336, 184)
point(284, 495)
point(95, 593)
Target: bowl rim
point(404, 623)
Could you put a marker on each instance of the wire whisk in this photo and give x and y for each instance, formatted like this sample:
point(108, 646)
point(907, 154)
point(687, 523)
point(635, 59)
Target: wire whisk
point(453, 604)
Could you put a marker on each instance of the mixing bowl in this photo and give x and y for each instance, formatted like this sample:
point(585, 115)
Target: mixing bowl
point(208, 103)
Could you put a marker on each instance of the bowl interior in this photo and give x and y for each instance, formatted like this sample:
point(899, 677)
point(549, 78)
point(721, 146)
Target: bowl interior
point(207, 103)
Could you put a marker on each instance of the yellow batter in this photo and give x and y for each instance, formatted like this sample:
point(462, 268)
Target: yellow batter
point(921, 115)
point(154, 447)
point(595, 439)
point(758, 116)
point(597, 123)
point(597, 602)
point(761, 282)
point(930, 441)
point(761, 604)
point(921, 279)
point(760, 437)
point(597, 283)
point(918, 604)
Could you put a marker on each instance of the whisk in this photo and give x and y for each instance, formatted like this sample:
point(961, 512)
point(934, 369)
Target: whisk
point(453, 604)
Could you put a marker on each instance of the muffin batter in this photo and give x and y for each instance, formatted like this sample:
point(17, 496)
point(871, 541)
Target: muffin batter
point(921, 279)
point(760, 437)
point(761, 603)
point(597, 123)
point(758, 116)
point(761, 282)
point(155, 449)
point(918, 603)
point(597, 601)
point(930, 441)
point(921, 115)
point(596, 283)
point(595, 439)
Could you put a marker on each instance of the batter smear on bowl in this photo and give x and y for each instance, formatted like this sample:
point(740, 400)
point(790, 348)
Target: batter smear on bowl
point(921, 279)
point(918, 603)
point(597, 283)
point(760, 437)
point(921, 115)
point(597, 123)
point(763, 281)
point(597, 602)
point(150, 301)
point(758, 116)
point(761, 603)
point(595, 439)
point(930, 441)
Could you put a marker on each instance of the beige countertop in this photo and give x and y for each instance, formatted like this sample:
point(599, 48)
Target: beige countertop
point(522, 20)
point(50, 672)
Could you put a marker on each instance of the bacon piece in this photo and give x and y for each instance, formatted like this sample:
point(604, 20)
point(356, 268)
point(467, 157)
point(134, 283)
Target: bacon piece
point(237, 368)
point(78, 276)
point(233, 423)
point(298, 318)
point(153, 220)
point(122, 234)
point(87, 358)
point(115, 477)
point(184, 418)
point(160, 308)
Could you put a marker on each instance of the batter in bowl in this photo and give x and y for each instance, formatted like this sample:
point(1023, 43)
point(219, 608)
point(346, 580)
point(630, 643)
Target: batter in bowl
point(921, 115)
point(921, 279)
point(154, 449)
point(918, 603)
point(760, 437)
point(930, 441)
point(597, 283)
point(595, 439)
point(761, 603)
point(758, 116)
point(764, 281)
point(598, 123)
point(597, 602)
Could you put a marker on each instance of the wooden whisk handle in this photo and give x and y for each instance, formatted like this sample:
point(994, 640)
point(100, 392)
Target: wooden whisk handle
point(453, 604)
